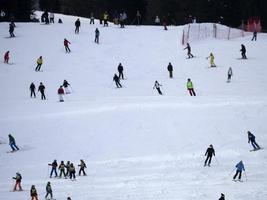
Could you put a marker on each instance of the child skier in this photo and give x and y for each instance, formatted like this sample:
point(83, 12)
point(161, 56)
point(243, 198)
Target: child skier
point(33, 193)
point(60, 92)
point(229, 75)
point(190, 87)
point(222, 197)
point(72, 171)
point(6, 57)
point(54, 168)
point(239, 168)
point(212, 58)
point(18, 182)
point(82, 168)
point(97, 33)
point(61, 168)
point(67, 168)
point(120, 70)
point(12, 143)
point(157, 86)
point(105, 17)
point(188, 47)
point(170, 69)
point(39, 63)
point(117, 81)
point(77, 26)
point(41, 89)
point(49, 191)
point(209, 153)
point(66, 45)
point(11, 30)
point(252, 139)
point(66, 86)
point(254, 36)
point(32, 89)
point(92, 18)
point(243, 51)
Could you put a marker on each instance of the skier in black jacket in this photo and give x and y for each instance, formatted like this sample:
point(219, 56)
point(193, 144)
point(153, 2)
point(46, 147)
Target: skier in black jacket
point(117, 81)
point(222, 197)
point(11, 30)
point(209, 153)
point(157, 86)
point(32, 89)
point(188, 47)
point(120, 70)
point(54, 168)
point(170, 69)
point(41, 89)
point(77, 26)
point(243, 51)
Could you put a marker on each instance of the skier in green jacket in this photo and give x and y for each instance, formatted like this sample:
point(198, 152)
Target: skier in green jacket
point(190, 87)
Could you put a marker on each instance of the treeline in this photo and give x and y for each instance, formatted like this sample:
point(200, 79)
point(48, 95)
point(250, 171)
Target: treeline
point(229, 12)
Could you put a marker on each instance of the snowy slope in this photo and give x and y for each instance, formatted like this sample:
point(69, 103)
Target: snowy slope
point(137, 145)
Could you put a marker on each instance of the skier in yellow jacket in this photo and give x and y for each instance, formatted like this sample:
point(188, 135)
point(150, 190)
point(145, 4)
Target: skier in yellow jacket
point(211, 57)
point(39, 63)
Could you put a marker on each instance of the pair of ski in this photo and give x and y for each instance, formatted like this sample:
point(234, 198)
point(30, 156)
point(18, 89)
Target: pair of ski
point(12, 151)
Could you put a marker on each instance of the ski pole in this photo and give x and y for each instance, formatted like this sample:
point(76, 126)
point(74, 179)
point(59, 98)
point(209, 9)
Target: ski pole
point(245, 175)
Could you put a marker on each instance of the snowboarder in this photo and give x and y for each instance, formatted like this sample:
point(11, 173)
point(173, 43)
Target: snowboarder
point(229, 74)
point(32, 89)
point(157, 20)
point(157, 86)
point(12, 143)
point(66, 45)
point(209, 153)
point(222, 197)
point(82, 166)
point(52, 17)
point(11, 30)
point(120, 70)
point(67, 168)
point(61, 168)
point(60, 93)
point(39, 63)
point(77, 26)
point(170, 69)
point(211, 56)
point(254, 36)
point(97, 33)
point(66, 86)
point(18, 179)
point(188, 47)
point(33, 193)
point(6, 57)
point(239, 168)
point(117, 81)
point(54, 168)
point(252, 139)
point(72, 171)
point(243, 51)
point(105, 17)
point(190, 87)
point(41, 89)
point(49, 191)
point(92, 18)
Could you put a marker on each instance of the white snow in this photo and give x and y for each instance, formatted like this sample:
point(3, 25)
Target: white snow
point(137, 144)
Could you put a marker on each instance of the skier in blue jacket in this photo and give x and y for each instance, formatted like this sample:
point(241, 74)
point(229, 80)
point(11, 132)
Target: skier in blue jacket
point(251, 138)
point(239, 168)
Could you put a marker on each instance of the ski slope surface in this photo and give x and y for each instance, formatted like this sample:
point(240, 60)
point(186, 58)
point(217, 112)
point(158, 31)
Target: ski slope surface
point(136, 143)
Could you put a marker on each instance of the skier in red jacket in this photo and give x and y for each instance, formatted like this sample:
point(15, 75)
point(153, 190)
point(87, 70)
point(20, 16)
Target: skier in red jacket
point(61, 93)
point(6, 57)
point(66, 44)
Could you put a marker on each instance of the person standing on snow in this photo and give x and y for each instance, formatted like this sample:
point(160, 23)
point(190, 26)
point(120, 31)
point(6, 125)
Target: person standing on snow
point(72, 171)
point(60, 92)
point(170, 69)
point(32, 89)
point(52, 17)
point(33, 193)
point(209, 153)
point(92, 18)
point(39, 63)
point(49, 191)
point(157, 20)
point(222, 197)
point(97, 34)
point(18, 179)
point(66, 86)
point(120, 70)
point(66, 45)
point(138, 17)
point(252, 139)
point(6, 57)
point(61, 168)
point(212, 58)
point(11, 30)
point(254, 36)
point(54, 168)
point(82, 166)
point(105, 17)
point(12, 143)
point(157, 86)
point(188, 47)
point(190, 87)
point(77, 26)
point(41, 89)
point(117, 81)
point(243, 51)
point(68, 168)
point(239, 168)
point(229, 75)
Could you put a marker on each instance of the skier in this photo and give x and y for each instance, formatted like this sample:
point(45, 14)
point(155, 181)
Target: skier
point(49, 191)
point(54, 168)
point(120, 70)
point(82, 168)
point(52, 17)
point(72, 171)
point(60, 93)
point(188, 47)
point(11, 30)
point(6, 57)
point(165, 24)
point(239, 168)
point(12, 143)
point(92, 18)
point(190, 87)
point(230, 74)
point(211, 56)
point(252, 139)
point(46, 19)
point(65, 85)
point(61, 168)
point(67, 168)
point(243, 51)
point(138, 17)
point(254, 36)
point(170, 69)
point(60, 21)
point(32, 89)
point(18, 182)
point(117, 81)
point(105, 17)
point(39, 63)
point(41, 89)
point(97, 33)
point(209, 153)
point(157, 86)
point(222, 197)
point(157, 20)
point(66, 45)
point(77, 26)
point(68, 198)
point(33, 193)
